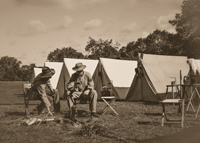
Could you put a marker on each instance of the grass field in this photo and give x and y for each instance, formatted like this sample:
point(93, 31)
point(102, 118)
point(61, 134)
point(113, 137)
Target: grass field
point(136, 121)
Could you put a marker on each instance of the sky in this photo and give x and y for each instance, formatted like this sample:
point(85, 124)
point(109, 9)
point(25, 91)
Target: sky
point(31, 29)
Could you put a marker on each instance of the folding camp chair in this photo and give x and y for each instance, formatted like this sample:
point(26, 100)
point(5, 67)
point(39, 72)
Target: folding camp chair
point(108, 99)
point(112, 99)
point(26, 87)
point(74, 110)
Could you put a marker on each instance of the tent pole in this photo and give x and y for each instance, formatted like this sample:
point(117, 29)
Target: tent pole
point(180, 84)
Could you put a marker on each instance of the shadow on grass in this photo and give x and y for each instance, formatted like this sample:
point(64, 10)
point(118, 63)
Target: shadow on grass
point(15, 113)
point(19, 95)
point(148, 123)
point(80, 113)
point(17, 104)
point(153, 114)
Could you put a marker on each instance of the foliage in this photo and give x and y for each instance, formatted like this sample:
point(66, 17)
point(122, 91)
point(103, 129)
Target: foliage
point(187, 25)
point(102, 48)
point(158, 42)
point(59, 54)
point(27, 72)
point(9, 68)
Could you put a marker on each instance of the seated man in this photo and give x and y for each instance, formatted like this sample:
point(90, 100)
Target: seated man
point(45, 92)
point(81, 84)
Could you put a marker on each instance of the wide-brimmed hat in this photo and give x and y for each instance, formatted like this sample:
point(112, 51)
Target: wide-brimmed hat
point(79, 67)
point(47, 72)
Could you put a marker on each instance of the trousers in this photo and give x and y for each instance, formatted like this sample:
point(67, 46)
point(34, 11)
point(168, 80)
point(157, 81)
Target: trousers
point(48, 100)
point(92, 96)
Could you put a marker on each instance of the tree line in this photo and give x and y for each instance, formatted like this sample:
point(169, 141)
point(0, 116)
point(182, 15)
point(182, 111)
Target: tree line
point(185, 42)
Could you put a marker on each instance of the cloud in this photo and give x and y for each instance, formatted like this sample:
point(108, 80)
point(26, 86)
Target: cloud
point(67, 20)
point(34, 27)
point(144, 34)
point(163, 23)
point(95, 23)
point(129, 28)
point(97, 1)
point(11, 43)
point(23, 56)
point(44, 53)
point(68, 4)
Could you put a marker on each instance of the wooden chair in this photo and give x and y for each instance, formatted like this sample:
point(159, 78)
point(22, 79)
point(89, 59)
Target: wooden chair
point(165, 119)
point(26, 87)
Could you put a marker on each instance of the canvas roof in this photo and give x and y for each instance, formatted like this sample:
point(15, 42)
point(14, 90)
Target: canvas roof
point(198, 64)
point(57, 66)
point(120, 72)
point(36, 71)
point(90, 65)
point(157, 72)
point(164, 69)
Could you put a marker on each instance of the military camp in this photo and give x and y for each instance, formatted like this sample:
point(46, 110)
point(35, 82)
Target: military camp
point(98, 71)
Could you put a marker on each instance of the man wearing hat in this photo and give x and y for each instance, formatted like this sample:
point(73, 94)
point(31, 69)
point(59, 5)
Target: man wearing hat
point(81, 84)
point(43, 88)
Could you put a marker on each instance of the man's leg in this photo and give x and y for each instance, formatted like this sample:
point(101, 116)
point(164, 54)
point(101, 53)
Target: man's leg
point(56, 101)
point(40, 107)
point(93, 101)
point(70, 103)
point(69, 100)
point(44, 103)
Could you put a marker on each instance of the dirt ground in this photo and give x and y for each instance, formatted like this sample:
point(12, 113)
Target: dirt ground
point(136, 122)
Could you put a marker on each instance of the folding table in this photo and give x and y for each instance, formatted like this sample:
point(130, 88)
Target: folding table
point(191, 95)
point(164, 114)
point(111, 100)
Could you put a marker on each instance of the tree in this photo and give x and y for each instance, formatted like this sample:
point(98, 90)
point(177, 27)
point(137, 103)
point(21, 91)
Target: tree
point(59, 54)
point(187, 25)
point(27, 72)
point(102, 48)
point(10, 68)
point(158, 42)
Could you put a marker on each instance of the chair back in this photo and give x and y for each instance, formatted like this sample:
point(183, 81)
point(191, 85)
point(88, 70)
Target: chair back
point(26, 86)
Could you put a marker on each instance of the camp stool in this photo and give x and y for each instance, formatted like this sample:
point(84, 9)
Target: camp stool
point(111, 100)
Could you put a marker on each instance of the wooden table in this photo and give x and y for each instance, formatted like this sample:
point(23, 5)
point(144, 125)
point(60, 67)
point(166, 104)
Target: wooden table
point(191, 95)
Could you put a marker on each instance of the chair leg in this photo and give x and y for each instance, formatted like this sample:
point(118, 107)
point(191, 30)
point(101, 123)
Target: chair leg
point(26, 107)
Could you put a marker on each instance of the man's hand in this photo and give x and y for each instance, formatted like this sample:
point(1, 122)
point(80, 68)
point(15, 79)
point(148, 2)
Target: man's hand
point(86, 92)
point(53, 91)
point(76, 94)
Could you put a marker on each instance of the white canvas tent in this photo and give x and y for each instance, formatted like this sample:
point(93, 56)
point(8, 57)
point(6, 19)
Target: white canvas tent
point(36, 71)
point(198, 65)
point(194, 74)
point(119, 73)
point(157, 71)
point(70, 63)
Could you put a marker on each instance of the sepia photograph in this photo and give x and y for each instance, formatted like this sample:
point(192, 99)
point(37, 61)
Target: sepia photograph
point(100, 71)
